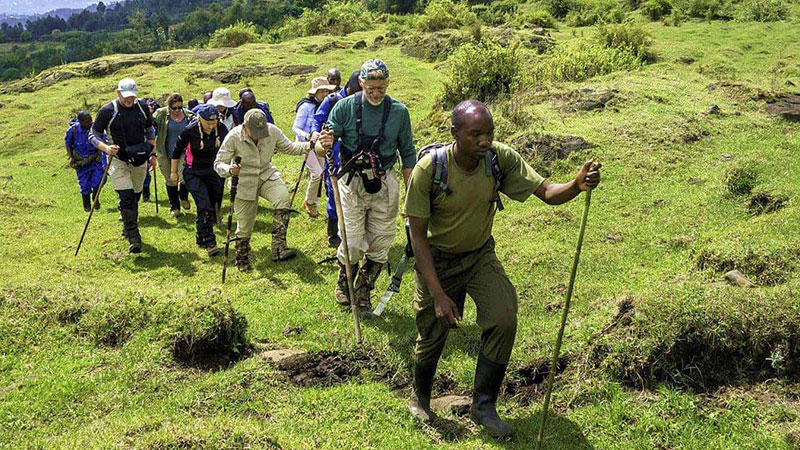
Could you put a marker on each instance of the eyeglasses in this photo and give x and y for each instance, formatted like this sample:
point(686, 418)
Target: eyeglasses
point(176, 108)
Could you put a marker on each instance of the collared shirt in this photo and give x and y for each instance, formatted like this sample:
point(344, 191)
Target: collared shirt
point(256, 158)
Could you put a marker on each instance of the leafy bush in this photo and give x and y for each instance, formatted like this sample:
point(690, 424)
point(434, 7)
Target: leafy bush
point(560, 8)
point(595, 11)
point(400, 25)
point(741, 180)
point(444, 14)
point(481, 71)
point(235, 35)
point(537, 17)
point(496, 13)
point(707, 9)
point(336, 18)
point(761, 11)
point(580, 60)
point(657, 9)
point(627, 37)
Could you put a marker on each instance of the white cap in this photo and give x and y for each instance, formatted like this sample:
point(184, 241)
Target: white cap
point(127, 87)
point(222, 96)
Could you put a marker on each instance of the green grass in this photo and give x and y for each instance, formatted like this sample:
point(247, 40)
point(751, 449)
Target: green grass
point(59, 388)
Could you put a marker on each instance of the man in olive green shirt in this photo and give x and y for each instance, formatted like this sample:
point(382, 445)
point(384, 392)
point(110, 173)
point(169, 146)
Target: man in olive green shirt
point(452, 239)
point(371, 142)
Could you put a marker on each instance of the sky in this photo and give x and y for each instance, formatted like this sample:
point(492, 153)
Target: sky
point(40, 6)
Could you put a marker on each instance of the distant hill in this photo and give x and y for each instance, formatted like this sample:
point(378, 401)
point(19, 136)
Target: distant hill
point(63, 13)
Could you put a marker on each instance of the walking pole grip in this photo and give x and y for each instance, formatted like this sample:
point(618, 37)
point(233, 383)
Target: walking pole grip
point(554, 362)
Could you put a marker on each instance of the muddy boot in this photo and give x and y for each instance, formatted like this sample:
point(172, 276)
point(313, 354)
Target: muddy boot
point(280, 250)
point(310, 209)
point(87, 202)
point(130, 228)
point(205, 232)
point(333, 233)
point(365, 283)
point(420, 403)
point(243, 255)
point(488, 380)
point(341, 285)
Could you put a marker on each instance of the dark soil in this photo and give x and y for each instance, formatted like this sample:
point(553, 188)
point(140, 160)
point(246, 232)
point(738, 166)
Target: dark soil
point(527, 384)
point(764, 203)
point(328, 368)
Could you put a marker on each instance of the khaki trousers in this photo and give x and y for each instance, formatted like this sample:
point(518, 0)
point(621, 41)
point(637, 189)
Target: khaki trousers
point(274, 191)
point(369, 219)
point(126, 176)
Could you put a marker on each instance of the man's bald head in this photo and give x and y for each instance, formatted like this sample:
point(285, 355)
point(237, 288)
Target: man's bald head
point(469, 110)
point(85, 119)
point(335, 77)
point(248, 100)
point(243, 90)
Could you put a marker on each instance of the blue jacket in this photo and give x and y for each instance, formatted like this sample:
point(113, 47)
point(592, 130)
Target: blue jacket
point(238, 113)
point(78, 140)
point(324, 110)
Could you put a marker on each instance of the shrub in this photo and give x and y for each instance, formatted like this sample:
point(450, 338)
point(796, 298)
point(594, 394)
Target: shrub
point(560, 8)
point(595, 11)
point(707, 9)
point(336, 18)
point(235, 35)
point(761, 11)
point(444, 14)
point(481, 71)
point(741, 180)
point(657, 9)
point(580, 60)
point(626, 37)
point(537, 17)
point(400, 25)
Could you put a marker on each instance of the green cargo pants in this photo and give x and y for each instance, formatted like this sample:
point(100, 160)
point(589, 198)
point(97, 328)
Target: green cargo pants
point(479, 274)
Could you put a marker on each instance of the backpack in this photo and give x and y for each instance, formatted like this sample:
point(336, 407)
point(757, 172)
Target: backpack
point(438, 155)
point(116, 113)
point(139, 153)
point(306, 100)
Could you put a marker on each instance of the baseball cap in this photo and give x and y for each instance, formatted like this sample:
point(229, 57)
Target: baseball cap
point(374, 69)
point(256, 123)
point(207, 112)
point(127, 87)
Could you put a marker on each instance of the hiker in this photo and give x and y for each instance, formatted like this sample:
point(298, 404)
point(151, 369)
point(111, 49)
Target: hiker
point(84, 157)
point(170, 122)
point(130, 129)
point(451, 203)
point(152, 106)
point(320, 117)
point(373, 128)
point(256, 141)
point(192, 104)
point(221, 98)
point(334, 78)
point(302, 128)
point(199, 144)
point(247, 101)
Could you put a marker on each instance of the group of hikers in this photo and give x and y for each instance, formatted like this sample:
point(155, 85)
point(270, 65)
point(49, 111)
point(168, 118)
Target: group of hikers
point(355, 135)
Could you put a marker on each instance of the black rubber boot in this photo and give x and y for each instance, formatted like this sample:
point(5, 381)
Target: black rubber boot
point(333, 233)
point(488, 380)
point(130, 228)
point(87, 202)
point(420, 404)
point(94, 194)
point(146, 194)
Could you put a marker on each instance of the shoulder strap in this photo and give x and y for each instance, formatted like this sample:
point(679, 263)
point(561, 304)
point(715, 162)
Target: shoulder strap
point(114, 115)
point(493, 169)
point(387, 107)
point(357, 101)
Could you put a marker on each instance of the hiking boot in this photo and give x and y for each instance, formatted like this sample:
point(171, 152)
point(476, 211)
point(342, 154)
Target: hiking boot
point(87, 202)
point(365, 283)
point(333, 233)
point(488, 380)
point(185, 204)
point(213, 250)
point(174, 201)
point(341, 292)
point(130, 228)
point(420, 404)
point(310, 209)
point(175, 213)
point(280, 249)
point(243, 255)
point(146, 194)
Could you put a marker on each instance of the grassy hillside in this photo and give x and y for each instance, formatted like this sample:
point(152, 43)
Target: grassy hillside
point(659, 353)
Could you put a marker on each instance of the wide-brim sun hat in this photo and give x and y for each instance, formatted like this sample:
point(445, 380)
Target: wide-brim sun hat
point(221, 97)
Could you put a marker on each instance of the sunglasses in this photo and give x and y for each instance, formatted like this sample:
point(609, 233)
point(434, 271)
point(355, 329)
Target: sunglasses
point(176, 108)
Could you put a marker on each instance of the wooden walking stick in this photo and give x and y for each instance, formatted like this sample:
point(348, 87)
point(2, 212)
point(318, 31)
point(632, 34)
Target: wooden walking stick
point(297, 185)
point(343, 232)
point(554, 362)
point(234, 188)
point(94, 202)
point(155, 188)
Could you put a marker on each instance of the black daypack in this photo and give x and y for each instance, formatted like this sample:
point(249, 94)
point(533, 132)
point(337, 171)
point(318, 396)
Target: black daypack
point(438, 155)
point(366, 160)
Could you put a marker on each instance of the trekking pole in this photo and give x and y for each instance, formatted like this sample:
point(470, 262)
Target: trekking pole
point(343, 232)
point(234, 188)
point(554, 362)
point(94, 202)
point(155, 188)
point(297, 185)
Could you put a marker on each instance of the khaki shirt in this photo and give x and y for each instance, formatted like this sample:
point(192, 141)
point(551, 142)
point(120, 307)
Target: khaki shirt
point(256, 159)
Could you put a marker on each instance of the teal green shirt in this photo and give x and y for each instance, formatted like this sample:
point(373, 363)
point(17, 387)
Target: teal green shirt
point(397, 135)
